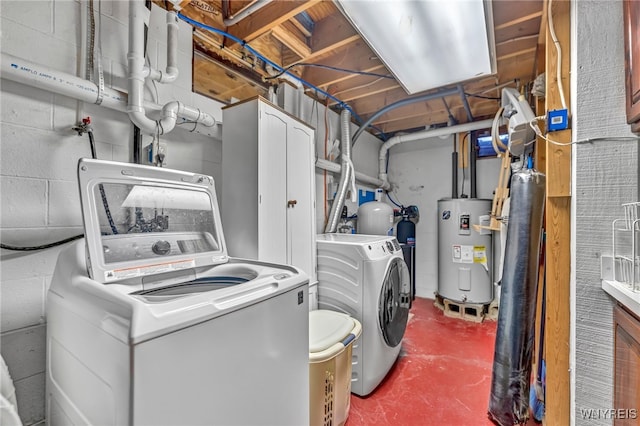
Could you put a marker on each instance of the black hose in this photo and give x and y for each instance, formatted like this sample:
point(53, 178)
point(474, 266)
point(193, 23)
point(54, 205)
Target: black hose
point(103, 195)
point(42, 247)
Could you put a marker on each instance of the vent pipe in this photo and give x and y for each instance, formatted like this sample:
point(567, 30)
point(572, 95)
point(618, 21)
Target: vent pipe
point(346, 176)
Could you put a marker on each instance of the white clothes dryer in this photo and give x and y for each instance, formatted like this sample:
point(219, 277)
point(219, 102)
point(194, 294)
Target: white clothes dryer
point(149, 322)
point(366, 277)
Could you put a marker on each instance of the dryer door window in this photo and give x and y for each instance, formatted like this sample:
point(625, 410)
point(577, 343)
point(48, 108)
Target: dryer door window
point(395, 299)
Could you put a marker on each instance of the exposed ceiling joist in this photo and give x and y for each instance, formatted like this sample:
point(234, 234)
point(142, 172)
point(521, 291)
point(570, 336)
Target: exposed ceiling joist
point(269, 17)
point(519, 20)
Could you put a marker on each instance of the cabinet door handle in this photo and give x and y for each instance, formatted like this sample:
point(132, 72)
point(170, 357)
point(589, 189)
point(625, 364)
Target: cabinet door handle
point(292, 203)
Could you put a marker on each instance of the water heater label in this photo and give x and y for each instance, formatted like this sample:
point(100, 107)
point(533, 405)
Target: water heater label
point(480, 256)
point(469, 254)
point(462, 254)
point(464, 223)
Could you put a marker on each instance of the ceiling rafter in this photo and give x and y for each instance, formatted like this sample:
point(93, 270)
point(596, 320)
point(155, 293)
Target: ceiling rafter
point(519, 20)
point(269, 17)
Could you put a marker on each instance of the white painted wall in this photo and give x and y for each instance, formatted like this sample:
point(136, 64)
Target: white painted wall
point(421, 174)
point(39, 154)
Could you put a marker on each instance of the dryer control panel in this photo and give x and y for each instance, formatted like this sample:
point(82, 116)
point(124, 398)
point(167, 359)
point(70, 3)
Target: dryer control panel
point(381, 249)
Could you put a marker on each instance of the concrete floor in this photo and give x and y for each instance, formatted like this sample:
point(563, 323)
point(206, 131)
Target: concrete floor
point(442, 377)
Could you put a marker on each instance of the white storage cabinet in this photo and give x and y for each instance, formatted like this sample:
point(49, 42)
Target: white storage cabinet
point(268, 185)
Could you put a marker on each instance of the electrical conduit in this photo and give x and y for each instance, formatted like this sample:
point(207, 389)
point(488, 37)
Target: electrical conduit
point(346, 177)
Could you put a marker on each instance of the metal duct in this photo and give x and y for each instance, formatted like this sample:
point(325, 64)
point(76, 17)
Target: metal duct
point(509, 399)
point(347, 170)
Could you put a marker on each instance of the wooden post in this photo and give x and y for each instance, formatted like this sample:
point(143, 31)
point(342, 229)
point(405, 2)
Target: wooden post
point(558, 225)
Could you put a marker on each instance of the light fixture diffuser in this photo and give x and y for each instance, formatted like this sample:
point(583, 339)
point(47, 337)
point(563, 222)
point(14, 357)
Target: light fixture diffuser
point(427, 43)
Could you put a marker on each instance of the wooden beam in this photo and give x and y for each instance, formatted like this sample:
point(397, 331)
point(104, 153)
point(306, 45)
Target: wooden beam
point(269, 17)
point(331, 34)
point(289, 39)
point(355, 56)
point(518, 20)
point(354, 90)
point(518, 53)
point(558, 228)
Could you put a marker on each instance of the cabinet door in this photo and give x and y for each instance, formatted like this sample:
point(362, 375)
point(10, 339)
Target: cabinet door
point(301, 198)
point(272, 185)
point(627, 368)
point(632, 61)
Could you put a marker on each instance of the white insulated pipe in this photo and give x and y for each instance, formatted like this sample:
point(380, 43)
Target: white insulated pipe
point(429, 133)
point(45, 78)
point(330, 166)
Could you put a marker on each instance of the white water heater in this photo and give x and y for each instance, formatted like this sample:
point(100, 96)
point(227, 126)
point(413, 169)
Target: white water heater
point(465, 258)
point(375, 218)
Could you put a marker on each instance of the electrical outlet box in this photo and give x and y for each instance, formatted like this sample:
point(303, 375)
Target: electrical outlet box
point(152, 157)
point(557, 119)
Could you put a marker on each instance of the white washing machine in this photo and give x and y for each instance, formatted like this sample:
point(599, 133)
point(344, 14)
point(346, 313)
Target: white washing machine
point(149, 322)
point(366, 277)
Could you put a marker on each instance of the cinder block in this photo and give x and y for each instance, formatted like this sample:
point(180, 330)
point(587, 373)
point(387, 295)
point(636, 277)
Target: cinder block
point(24, 351)
point(25, 105)
point(31, 401)
point(65, 114)
point(115, 39)
point(22, 303)
point(208, 105)
point(213, 151)
point(64, 204)
point(38, 47)
point(121, 153)
point(119, 76)
point(21, 265)
point(37, 153)
point(38, 16)
point(109, 126)
point(67, 19)
point(23, 202)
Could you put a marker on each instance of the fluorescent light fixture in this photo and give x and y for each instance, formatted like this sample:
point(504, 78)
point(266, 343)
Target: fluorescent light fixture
point(427, 43)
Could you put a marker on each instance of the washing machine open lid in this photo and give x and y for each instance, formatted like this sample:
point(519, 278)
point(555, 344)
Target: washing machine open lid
point(143, 220)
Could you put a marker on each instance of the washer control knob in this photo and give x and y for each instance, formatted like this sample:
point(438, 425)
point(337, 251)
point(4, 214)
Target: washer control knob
point(390, 246)
point(161, 247)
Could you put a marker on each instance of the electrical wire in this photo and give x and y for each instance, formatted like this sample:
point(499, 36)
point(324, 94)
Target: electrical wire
point(538, 132)
point(41, 247)
point(329, 67)
point(556, 43)
point(473, 95)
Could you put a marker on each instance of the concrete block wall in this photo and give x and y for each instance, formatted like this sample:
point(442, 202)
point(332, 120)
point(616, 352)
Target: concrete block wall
point(605, 177)
point(39, 155)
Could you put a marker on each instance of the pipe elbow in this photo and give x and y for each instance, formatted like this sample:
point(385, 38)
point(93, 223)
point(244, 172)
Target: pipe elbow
point(138, 117)
point(169, 76)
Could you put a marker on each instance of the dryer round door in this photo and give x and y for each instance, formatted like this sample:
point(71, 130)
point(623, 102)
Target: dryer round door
point(394, 302)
